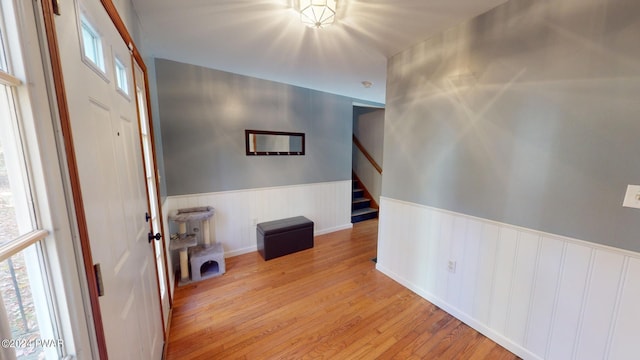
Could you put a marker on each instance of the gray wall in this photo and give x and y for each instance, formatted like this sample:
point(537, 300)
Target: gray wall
point(368, 127)
point(157, 131)
point(203, 115)
point(128, 14)
point(130, 17)
point(528, 115)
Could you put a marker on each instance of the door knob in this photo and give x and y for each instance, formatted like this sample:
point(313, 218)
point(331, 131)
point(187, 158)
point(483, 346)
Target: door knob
point(157, 236)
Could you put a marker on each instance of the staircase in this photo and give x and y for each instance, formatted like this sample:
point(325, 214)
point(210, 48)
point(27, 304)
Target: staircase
point(361, 205)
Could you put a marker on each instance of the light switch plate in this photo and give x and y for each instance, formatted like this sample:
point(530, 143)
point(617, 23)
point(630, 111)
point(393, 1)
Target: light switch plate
point(632, 198)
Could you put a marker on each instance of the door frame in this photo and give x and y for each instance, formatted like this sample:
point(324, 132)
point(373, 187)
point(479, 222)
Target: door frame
point(48, 12)
point(151, 139)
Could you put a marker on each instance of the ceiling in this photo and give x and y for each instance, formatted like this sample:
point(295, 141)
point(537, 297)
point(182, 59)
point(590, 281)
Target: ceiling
point(265, 39)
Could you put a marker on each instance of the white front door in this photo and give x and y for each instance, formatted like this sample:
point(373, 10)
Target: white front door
point(154, 216)
point(96, 67)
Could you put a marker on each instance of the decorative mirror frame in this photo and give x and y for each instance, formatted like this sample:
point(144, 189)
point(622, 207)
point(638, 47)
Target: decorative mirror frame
point(247, 134)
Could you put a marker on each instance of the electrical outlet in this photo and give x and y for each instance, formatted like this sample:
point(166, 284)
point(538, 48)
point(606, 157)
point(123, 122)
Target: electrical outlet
point(451, 266)
point(254, 222)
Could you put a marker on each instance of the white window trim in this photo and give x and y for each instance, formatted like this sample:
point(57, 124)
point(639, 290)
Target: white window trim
point(21, 243)
point(48, 175)
point(100, 69)
point(8, 79)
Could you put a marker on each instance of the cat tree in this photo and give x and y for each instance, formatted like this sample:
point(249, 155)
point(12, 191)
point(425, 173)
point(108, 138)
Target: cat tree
point(206, 258)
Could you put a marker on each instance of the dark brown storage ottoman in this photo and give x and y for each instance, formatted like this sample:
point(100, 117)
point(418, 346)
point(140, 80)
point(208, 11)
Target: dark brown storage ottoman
point(281, 237)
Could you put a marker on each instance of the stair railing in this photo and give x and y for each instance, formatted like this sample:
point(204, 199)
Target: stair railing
point(367, 155)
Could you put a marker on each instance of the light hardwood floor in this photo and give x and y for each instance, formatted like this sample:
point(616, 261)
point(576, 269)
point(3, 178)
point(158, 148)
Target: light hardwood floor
point(328, 302)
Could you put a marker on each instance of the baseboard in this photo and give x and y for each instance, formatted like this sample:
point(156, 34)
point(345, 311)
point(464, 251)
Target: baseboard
point(333, 229)
point(238, 252)
point(458, 314)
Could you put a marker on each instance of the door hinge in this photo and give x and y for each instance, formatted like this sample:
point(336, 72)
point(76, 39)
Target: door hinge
point(98, 274)
point(55, 4)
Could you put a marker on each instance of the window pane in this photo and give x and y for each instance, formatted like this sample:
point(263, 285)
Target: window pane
point(92, 45)
point(147, 156)
point(121, 76)
point(3, 59)
point(88, 43)
point(8, 223)
point(152, 197)
point(26, 307)
point(15, 212)
point(160, 266)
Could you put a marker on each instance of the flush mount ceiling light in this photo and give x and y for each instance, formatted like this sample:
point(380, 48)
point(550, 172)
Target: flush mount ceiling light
point(317, 13)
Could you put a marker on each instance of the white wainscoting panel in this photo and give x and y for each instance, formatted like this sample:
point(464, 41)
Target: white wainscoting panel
point(328, 205)
point(625, 334)
point(542, 296)
point(569, 301)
